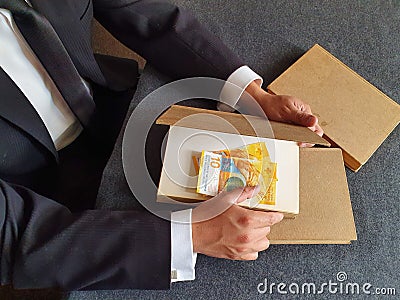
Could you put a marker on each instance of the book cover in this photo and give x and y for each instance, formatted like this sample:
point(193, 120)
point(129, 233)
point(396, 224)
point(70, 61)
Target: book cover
point(355, 115)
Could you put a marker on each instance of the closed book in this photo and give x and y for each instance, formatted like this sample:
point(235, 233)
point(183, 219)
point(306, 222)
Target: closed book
point(355, 116)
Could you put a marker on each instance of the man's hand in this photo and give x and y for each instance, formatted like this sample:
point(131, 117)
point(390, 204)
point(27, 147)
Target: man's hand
point(283, 108)
point(235, 232)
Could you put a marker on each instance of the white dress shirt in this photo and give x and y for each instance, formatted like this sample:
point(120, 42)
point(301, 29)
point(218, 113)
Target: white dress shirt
point(22, 65)
point(231, 97)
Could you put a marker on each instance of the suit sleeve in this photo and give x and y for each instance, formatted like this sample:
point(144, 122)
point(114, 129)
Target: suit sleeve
point(170, 38)
point(42, 244)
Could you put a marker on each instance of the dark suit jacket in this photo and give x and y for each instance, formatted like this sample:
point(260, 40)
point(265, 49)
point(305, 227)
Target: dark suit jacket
point(48, 236)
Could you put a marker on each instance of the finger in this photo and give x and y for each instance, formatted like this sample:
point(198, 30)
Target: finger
point(215, 206)
point(318, 130)
point(264, 231)
point(237, 195)
point(262, 244)
point(248, 192)
point(304, 119)
point(261, 232)
point(249, 256)
point(220, 203)
point(306, 145)
point(253, 236)
point(261, 219)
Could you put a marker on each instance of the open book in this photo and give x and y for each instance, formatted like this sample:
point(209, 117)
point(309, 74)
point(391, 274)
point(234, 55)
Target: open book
point(325, 216)
point(179, 177)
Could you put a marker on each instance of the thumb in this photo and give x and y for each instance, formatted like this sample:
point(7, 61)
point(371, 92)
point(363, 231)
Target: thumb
point(222, 202)
point(248, 192)
point(305, 119)
point(236, 195)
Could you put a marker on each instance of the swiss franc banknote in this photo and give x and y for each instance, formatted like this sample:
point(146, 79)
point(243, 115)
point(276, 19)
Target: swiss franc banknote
point(228, 169)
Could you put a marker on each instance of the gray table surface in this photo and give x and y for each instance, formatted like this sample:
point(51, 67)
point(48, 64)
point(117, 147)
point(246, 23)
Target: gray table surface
point(271, 35)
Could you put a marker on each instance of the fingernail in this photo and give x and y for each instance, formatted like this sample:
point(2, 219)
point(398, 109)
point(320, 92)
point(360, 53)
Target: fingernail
point(279, 217)
point(269, 230)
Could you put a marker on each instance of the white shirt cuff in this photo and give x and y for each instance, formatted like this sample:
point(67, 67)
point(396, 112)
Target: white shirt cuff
point(183, 259)
point(233, 89)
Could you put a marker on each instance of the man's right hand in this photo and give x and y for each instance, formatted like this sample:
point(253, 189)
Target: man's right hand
point(232, 231)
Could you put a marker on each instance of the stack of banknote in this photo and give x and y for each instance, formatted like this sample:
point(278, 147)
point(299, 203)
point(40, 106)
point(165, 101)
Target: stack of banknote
point(228, 169)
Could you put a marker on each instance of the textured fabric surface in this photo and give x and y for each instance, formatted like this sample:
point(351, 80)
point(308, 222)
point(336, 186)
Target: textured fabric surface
point(270, 36)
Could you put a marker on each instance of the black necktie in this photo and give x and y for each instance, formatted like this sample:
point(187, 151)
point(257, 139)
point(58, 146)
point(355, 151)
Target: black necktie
point(44, 41)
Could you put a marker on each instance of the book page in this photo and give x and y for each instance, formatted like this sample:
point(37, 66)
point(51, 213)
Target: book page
point(179, 177)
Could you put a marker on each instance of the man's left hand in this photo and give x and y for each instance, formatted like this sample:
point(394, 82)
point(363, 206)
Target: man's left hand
point(286, 109)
